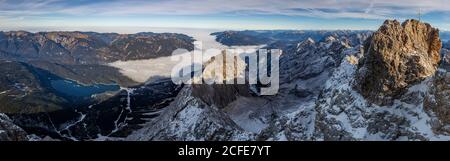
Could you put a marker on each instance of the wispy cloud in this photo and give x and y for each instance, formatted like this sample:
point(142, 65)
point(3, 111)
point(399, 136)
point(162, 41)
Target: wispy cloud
point(324, 9)
point(341, 8)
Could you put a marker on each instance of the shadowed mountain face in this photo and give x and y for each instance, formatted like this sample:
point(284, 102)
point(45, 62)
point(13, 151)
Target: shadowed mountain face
point(117, 115)
point(446, 45)
point(86, 73)
point(445, 53)
point(45, 104)
point(445, 35)
point(21, 91)
point(89, 47)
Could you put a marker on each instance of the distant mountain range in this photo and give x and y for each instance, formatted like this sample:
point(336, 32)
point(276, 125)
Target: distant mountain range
point(259, 37)
point(89, 47)
point(445, 35)
point(446, 45)
point(82, 56)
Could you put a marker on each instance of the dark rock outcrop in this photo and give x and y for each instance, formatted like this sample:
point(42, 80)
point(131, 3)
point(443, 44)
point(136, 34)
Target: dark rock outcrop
point(445, 59)
point(9, 131)
point(438, 101)
point(219, 95)
point(446, 45)
point(397, 56)
point(261, 37)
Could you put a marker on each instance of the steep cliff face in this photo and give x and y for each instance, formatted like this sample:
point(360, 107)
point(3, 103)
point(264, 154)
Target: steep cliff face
point(197, 112)
point(397, 56)
point(445, 63)
point(398, 95)
point(437, 102)
point(10, 131)
point(221, 95)
point(189, 118)
point(345, 114)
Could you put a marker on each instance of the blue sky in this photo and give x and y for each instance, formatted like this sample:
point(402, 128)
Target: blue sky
point(224, 14)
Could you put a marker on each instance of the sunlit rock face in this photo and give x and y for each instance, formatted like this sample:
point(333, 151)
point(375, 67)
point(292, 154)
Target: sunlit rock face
point(220, 75)
point(397, 56)
point(395, 92)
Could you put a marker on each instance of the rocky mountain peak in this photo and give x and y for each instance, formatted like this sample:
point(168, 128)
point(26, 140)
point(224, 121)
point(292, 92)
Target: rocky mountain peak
point(330, 39)
point(397, 55)
point(308, 43)
point(221, 95)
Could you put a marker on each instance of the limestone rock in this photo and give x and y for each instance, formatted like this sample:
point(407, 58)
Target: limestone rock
point(445, 59)
point(190, 119)
point(9, 131)
point(397, 56)
point(438, 101)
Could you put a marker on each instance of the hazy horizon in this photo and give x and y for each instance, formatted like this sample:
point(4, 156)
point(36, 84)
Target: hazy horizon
point(133, 30)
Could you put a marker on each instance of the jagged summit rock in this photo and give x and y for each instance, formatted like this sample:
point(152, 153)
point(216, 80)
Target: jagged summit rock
point(397, 56)
point(309, 58)
point(221, 95)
